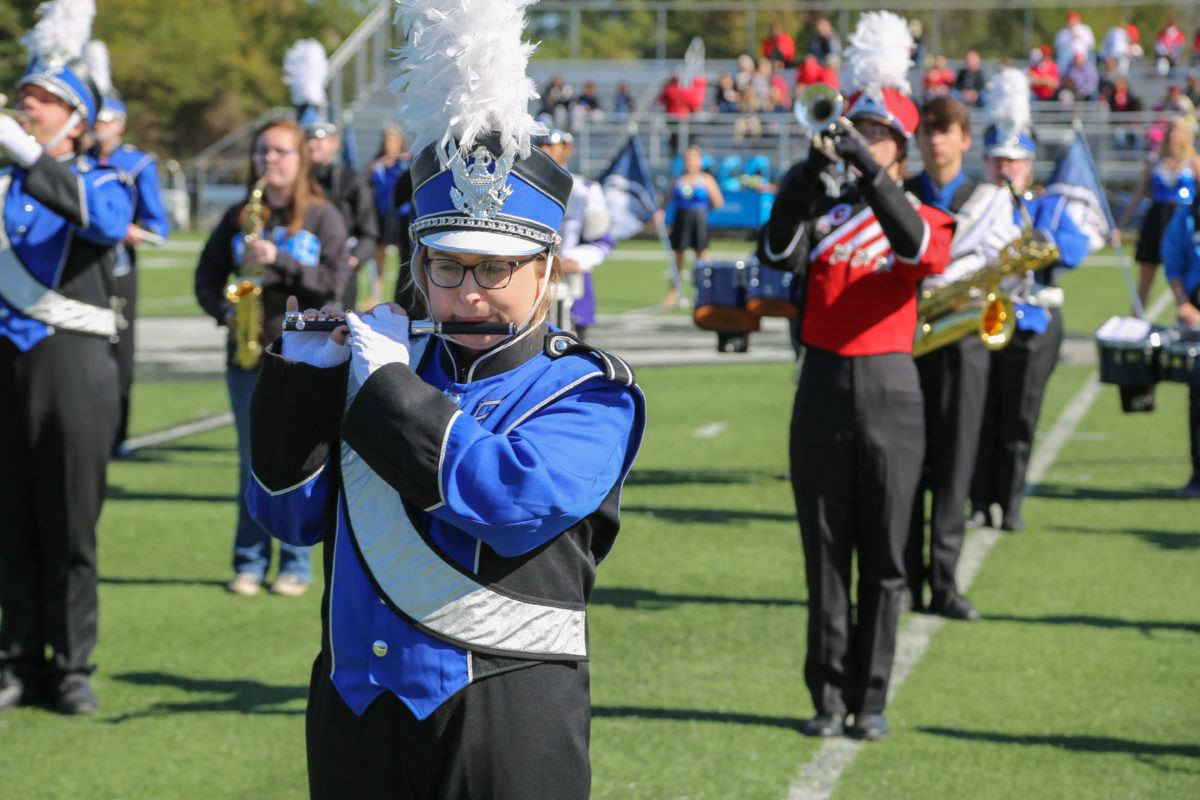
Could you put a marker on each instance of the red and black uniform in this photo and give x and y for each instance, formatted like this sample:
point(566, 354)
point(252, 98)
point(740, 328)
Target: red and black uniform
point(857, 429)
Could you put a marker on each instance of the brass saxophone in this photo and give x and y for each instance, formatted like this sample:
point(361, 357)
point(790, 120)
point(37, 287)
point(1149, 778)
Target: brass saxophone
point(246, 292)
point(975, 303)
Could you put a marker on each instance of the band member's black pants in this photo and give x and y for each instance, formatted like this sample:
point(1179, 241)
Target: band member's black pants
point(954, 384)
point(520, 735)
point(857, 442)
point(1016, 385)
point(125, 289)
point(58, 413)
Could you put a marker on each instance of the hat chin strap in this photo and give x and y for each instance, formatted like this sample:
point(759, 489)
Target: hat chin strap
point(57, 139)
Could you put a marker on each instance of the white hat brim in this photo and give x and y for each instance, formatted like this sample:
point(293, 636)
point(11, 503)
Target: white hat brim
point(482, 243)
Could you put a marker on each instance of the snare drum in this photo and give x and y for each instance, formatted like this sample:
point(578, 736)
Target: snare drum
point(769, 293)
point(721, 288)
point(1130, 363)
point(1180, 358)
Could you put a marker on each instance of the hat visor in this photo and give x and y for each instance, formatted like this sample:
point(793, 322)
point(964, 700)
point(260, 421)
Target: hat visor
point(482, 243)
point(1006, 150)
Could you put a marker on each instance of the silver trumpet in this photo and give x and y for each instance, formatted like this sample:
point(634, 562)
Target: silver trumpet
point(819, 109)
point(299, 321)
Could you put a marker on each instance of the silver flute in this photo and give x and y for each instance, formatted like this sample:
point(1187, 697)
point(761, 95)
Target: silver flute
point(298, 321)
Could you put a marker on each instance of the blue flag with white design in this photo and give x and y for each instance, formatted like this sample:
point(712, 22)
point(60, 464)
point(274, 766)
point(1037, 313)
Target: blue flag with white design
point(629, 191)
point(1076, 178)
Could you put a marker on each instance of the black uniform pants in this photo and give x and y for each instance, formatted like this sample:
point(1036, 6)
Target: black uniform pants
point(954, 384)
point(58, 413)
point(520, 735)
point(857, 441)
point(125, 289)
point(1016, 385)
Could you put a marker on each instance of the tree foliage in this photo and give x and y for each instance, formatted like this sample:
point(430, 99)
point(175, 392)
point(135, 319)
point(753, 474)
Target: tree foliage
point(192, 70)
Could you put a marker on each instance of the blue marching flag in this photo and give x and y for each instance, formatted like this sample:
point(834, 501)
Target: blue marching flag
point(1076, 178)
point(629, 191)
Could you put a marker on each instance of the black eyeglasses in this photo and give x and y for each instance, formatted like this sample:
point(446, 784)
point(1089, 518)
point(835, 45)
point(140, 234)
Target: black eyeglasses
point(263, 152)
point(449, 274)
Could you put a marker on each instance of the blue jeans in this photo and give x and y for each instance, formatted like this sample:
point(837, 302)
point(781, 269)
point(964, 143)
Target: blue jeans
point(252, 544)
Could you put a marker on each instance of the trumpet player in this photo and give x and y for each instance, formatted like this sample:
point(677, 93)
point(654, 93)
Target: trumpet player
point(1018, 373)
point(298, 248)
point(857, 429)
point(63, 216)
point(953, 377)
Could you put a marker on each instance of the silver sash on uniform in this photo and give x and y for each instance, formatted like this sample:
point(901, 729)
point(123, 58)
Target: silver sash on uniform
point(433, 592)
point(34, 299)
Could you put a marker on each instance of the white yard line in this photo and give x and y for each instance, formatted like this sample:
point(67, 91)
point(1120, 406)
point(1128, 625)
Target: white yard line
point(180, 431)
point(819, 777)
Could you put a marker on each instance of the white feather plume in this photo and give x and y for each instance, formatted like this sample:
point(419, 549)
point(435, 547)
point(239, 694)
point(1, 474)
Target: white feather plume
point(879, 52)
point(1008, 100)
point(64, 28)
point(95, 55)
point(305, 68)
point(463, 74)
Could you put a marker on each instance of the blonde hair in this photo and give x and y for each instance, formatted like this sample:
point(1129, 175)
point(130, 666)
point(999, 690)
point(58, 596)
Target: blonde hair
point(1189, 147)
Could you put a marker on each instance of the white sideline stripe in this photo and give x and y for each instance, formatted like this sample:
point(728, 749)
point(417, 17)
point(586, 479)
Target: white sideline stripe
point(709, 431)
point(820, 775)
point(180, 431)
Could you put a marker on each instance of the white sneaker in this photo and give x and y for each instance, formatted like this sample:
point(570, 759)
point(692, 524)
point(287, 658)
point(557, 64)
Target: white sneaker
point(289, 585)
point(246, 584)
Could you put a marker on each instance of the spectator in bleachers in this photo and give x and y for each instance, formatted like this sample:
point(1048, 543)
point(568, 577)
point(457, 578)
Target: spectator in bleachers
point(1083, 76)
point(1192, 90)
point(1117, 45)
point(1196, 46)
point(1109, 72)
point(764, 76)
point(748, 124)
point(917, 51)
point(779, 46)
point(777, 102)
point(1174, 100)
point(1043, 74)
point(811, 71)
point(622, 100)
point(938, 79)
point(970, 80)
point(1120, 99)
point(745, 73)
point(556, 99)
point(587, 100)
point(825, 42)
point(680, 102)
point(1168, 47)
point(727, 97)
point(1073, 36)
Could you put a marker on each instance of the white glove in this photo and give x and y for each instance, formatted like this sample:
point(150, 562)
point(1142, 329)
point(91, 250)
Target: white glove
point(317, 349)
point(20, 146)
point(377, 338)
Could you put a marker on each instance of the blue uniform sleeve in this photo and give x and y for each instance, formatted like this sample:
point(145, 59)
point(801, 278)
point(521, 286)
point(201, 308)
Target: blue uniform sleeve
point(518, 489)
point(294, 515)
point(1053, 219)
point(150, 213)
point(93, 200)
point(1177, 249)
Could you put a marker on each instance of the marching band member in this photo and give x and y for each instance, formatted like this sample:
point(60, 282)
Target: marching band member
point(465, 487)
point(63, 216)
point(953, 377)
point(1018, 373)
point(1181, 263)
point(149, 224)
point(857, 430)
point(300, 250)
point(585, 235)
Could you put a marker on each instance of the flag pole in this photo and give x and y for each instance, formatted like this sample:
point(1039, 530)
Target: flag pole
point(1138, 310)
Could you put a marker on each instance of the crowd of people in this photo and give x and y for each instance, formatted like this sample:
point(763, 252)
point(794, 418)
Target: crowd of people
point(466, 485)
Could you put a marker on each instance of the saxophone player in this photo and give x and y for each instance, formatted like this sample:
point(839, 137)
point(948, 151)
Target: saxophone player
point(953, 377)
point(63, 216)
point(1019, 372)
point(299, 248)
point(857, 429)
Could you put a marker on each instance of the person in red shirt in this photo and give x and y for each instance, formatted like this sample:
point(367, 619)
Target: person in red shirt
point(1043, 74)
point(779, 46)
point(858, 425)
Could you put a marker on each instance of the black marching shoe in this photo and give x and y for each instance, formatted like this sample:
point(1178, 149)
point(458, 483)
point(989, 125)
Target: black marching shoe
point(1012, 524)
point(825, 725)
point(73, 695)
point(954, 606)
point(869, 727)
